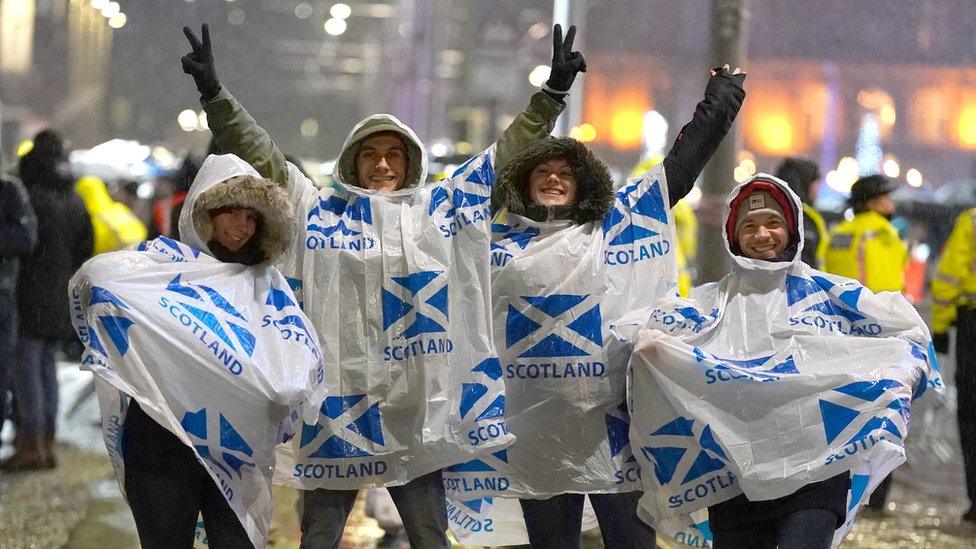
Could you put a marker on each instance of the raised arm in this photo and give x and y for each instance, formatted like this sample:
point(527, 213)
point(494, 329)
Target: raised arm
point(234, 130)
point(539, 118)
point(699, 139)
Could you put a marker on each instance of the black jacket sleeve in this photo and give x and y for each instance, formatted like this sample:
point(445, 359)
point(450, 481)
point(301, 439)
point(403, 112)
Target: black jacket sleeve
point(18, 225)
point(699, 139)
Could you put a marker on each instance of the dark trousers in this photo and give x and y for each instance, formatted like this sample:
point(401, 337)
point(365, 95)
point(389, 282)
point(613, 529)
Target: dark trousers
point(35, 386)
point(966, 395)
point(8, 342)
point(555, 523)
point(420, 502)
point(802, 529)
point(879, 497)
point(167, 488)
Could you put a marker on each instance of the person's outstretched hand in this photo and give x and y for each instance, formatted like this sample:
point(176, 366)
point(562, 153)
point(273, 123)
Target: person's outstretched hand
point(566, 63)
point(199, 63)
point(738, 75)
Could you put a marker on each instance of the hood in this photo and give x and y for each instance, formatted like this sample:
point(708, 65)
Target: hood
point(94, 192)
point(210, 190)
point(592, 175)
point(46, 163)
point(345, 167)
point(796, 242)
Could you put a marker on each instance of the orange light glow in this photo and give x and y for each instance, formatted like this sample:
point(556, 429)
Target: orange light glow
point(967, 126)
point(626, 128)
point(615, 107)
point(774, 132)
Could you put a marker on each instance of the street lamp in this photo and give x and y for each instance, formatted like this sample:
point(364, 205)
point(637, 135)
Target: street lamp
point(334, 26)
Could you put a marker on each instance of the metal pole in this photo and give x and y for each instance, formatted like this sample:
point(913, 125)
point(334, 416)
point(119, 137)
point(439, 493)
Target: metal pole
point(729, 45)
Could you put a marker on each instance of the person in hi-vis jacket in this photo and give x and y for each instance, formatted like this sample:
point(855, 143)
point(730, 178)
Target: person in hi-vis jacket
point(954, 305)
point(381, 249)
point(571, 255)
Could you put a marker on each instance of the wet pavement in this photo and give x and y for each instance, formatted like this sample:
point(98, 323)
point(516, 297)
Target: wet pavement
point(78, 504)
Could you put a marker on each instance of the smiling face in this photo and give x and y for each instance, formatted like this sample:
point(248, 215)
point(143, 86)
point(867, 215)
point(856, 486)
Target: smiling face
point(233, 228)
point(553, 183)
point(381, 162)
point(762, 236)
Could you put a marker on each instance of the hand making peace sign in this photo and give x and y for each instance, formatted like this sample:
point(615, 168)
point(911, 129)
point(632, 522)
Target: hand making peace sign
point(566, 63)
point(200, 63)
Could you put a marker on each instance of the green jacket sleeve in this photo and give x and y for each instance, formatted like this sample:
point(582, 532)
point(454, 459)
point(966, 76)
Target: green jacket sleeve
point(236, 132)
point(533, 124)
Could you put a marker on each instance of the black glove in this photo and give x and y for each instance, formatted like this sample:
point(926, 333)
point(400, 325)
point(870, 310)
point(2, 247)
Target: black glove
point(200, 64)
point(566, 63)
point(941, 343)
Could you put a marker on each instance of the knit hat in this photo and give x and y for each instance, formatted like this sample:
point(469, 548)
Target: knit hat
point(760, 202)
point(759, 197)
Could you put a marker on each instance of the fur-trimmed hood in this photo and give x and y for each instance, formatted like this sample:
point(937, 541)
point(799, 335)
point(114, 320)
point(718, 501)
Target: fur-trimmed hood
point(211, 189)
point(345, 167)
point(595, 183)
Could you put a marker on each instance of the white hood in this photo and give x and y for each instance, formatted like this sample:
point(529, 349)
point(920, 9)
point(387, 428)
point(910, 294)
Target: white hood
point(208, 192)
point(746, 263)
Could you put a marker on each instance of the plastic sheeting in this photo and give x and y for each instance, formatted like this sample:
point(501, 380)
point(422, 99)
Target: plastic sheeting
point(556, 288)
point(398, 283)
point(497, 521)
point(773, 378)
point(217, 353)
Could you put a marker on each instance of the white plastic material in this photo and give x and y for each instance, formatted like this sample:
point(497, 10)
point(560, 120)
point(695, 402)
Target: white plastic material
point(497, 522)
point(557, 287)
point(775, 377)
point(397, 284)
point(217, 353)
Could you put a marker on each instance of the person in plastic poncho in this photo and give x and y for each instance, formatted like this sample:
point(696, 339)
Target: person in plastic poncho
point(954, 304)
point(395, 276)
point(172, 469)
point(736, 390)
point(570, 256)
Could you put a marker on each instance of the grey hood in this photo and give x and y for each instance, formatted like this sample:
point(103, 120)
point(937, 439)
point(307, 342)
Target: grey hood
point(211, 189)
point(345, 167)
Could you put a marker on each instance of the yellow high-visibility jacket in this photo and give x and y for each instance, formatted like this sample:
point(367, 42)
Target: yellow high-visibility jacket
point(868, 248)
point(114, 225)
point(954, 284)
point(823, 239)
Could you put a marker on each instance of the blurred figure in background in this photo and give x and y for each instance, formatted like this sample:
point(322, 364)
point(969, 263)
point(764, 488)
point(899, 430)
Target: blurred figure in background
point(869, 250)
point(801, 175)
point(954, 304)
point(166, 210)
point(18, 235)
point(64, 242)
point(113, 224)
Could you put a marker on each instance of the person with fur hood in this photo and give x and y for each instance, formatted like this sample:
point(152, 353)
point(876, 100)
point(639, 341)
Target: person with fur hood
point(395, 276)
point(569, 256)
point(777, 398)
point(177, 328)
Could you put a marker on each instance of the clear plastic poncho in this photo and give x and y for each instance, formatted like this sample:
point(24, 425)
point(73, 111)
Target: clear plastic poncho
point(217, 353)
point(397, 282)
point(557, 288)
point(773, 378)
